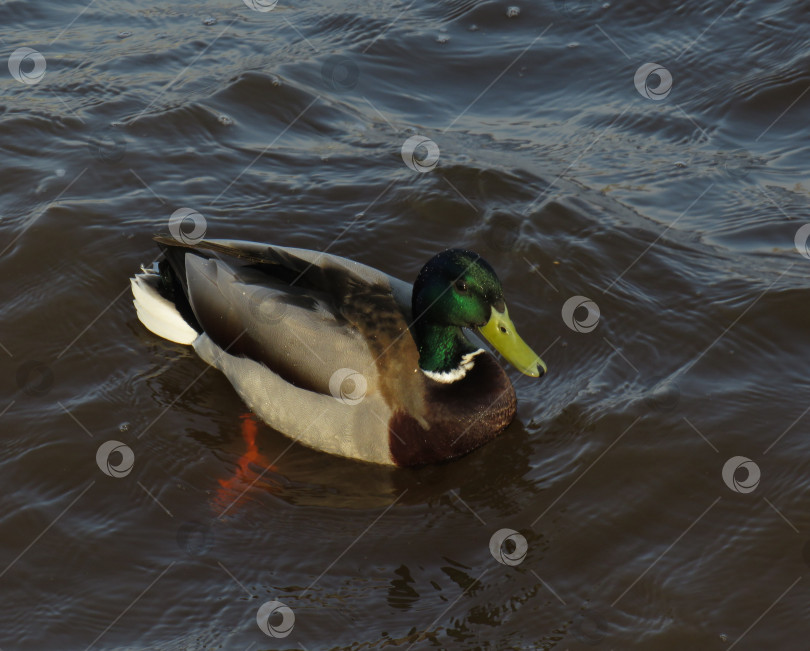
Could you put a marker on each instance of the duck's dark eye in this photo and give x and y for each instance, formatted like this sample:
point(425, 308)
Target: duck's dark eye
point(503, 329)
point(461, 286)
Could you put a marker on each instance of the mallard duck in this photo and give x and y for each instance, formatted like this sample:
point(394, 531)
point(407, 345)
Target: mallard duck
point(340, 356)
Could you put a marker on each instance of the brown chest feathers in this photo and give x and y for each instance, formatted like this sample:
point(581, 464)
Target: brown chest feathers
point(461, 416)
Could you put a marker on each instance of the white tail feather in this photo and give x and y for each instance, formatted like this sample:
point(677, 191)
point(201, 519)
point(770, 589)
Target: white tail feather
point(157, 313)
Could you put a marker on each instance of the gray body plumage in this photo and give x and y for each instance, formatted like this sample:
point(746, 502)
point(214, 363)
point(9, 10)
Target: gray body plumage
point(319, 347)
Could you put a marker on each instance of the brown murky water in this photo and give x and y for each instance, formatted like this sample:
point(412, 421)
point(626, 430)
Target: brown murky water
point(671, 202)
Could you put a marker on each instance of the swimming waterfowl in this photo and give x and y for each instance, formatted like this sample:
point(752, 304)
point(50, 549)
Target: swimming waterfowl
point(340, 356)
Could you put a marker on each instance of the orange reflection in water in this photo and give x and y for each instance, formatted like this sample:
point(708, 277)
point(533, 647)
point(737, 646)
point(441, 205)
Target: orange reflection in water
point(251, 467)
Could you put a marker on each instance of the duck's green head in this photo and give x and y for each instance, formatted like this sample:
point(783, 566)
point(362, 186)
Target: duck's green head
point(459, 289)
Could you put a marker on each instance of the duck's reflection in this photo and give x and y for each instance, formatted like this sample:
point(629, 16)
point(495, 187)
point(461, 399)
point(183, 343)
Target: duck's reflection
point(254, 471)
point(261, 462)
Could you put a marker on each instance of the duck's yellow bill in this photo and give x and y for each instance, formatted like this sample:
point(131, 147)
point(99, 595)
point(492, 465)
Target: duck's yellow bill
point(501, 333)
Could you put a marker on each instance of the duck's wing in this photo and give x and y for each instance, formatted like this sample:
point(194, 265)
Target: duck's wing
point(299, 267)
point(317, 345)
point(304, 315)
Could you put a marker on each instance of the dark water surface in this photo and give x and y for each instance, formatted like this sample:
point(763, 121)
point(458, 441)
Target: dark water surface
point(676, 215)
